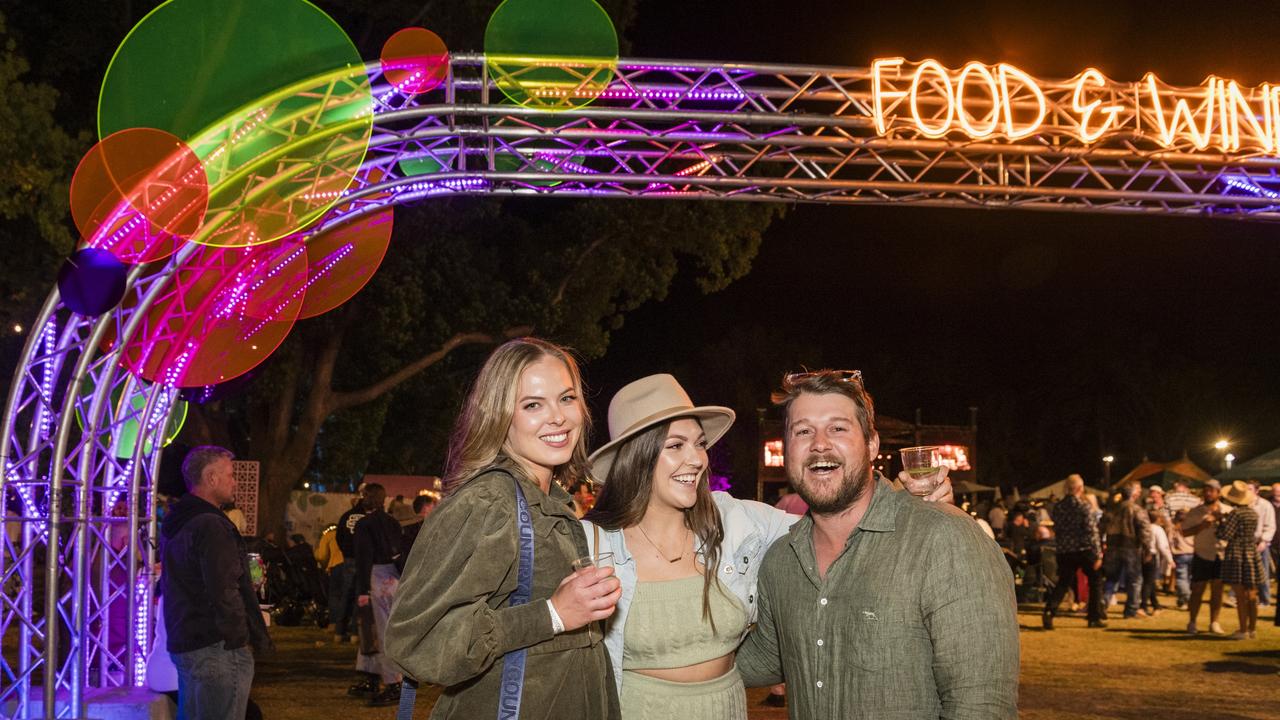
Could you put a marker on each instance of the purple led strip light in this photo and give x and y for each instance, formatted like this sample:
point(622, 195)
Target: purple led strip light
point(565, 164)
point(1249, 186)
point(141, 620)
point(47, 380)
point(231, 301)
point(436, 187)
point(332, 260)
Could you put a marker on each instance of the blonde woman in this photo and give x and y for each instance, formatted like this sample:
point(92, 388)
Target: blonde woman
point(687, 558)
point(457, 620)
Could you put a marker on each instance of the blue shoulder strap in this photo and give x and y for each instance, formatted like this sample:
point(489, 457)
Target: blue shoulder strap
point(513, 664)
point(512, 688)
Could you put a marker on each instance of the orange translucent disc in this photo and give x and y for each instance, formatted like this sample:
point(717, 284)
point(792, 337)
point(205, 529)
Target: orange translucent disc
point(220, 315)
point(343, 260)
point(415, 60)
point(138, 194)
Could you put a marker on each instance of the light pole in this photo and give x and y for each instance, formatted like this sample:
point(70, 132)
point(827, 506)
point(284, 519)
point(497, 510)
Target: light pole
point(1106, 470)
point(1227, 458)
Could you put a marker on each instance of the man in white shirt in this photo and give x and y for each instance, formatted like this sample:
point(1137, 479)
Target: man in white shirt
point(1265, 535)
point(997, 518)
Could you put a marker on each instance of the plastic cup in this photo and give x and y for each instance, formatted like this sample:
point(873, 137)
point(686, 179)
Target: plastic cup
point(923, 466)
point(586, 561)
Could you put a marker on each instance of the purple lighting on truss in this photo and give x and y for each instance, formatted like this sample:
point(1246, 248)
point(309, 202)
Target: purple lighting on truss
point(563, 164)
point(141, 620)
point(28, 502)
point(626, 93)
point(332, 260)
point(652, 67)
point(49, 377)
point(174, 372)
point(233, 302)
point(438, 187)
point(1247, 185)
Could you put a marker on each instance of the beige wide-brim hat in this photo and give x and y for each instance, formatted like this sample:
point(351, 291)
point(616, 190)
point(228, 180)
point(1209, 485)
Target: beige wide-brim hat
point(1239, 493)
point(648, 402)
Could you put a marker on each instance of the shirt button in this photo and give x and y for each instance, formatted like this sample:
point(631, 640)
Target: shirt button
point(751, 598)
point(746, 561)
point(819, 683)
point(823, 601)
point(819, 642)
point(728, 568)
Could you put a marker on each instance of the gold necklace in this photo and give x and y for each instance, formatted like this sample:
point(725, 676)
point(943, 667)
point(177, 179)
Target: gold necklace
point(662, 554)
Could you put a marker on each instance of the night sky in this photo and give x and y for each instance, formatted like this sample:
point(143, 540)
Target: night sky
point(1027, 315)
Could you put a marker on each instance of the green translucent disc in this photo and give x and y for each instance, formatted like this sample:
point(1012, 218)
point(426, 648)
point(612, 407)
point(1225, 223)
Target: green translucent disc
point(125, 418)
point(270, 94)
point(551, 54)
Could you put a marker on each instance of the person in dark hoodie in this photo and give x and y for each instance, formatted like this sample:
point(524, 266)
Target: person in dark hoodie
point(377, 545)
point(211, 613)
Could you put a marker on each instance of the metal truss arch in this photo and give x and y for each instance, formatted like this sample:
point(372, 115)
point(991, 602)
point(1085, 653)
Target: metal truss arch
point(660, 130)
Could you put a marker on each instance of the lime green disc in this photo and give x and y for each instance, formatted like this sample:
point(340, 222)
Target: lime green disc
point(551, 54)
point(270, 94)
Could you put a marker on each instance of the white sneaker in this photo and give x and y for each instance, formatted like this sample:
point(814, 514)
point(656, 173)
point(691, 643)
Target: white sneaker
point(1215, 627)
point(1191, 629)
point(1253, 634)
point(1238, 635)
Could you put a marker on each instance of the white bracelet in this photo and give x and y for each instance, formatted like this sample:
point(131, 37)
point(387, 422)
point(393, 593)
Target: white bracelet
point(557, 625)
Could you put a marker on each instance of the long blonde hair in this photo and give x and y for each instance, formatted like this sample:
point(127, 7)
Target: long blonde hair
point(480, 433)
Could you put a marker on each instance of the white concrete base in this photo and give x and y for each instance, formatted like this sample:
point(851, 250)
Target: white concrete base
point(108, 704)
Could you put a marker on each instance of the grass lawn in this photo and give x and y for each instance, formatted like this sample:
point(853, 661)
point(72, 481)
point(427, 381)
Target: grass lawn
point(1139, 669)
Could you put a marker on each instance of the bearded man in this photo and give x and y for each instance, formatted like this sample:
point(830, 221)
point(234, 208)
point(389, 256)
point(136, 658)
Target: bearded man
point(877, 604)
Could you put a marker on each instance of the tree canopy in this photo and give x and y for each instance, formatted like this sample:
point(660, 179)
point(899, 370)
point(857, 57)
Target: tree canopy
point(376, 383)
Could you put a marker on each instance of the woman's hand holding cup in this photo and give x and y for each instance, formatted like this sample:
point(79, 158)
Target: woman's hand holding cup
point(591, 593)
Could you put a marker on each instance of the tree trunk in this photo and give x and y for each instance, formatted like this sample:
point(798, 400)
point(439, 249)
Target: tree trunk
point(285, 442)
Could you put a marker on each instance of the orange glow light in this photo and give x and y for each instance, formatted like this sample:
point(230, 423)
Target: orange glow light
point(773, 453)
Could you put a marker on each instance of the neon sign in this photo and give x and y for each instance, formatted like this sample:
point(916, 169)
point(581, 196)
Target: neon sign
point(989, 102)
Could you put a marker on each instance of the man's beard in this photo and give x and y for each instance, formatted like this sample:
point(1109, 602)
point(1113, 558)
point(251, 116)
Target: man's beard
point(853, 485)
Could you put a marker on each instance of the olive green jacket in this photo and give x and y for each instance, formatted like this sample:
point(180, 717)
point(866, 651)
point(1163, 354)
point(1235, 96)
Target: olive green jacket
point(915, 619)
point(451, 626)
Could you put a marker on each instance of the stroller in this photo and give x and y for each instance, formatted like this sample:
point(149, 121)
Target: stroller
point(293, 584)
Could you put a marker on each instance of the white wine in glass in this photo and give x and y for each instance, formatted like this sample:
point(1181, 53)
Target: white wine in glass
point(922, 464)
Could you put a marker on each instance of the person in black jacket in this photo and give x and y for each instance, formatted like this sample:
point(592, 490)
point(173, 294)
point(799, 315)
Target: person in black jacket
point(344, 620)
point(211, 613)
point(377, 544)
point(423, 506)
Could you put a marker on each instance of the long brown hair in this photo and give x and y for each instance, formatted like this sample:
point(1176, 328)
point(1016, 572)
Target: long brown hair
point(480, 433)
point(625, 498)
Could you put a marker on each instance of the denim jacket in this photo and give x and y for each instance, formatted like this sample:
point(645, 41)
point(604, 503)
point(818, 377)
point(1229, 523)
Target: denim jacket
point(749, 529)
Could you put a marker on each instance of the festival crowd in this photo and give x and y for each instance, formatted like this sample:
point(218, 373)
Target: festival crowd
point(551, 582)
point(1147, 544)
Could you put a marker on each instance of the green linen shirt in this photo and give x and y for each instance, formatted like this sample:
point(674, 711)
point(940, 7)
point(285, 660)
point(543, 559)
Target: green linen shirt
point(451, 624)
point(915, 619)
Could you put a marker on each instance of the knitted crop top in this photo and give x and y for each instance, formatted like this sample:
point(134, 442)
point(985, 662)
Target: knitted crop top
point(665, 628)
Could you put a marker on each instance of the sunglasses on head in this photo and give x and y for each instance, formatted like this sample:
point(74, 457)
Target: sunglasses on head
point(849, 376)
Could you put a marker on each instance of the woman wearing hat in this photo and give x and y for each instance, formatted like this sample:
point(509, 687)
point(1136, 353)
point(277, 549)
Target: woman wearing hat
point(687, 558)
point(473, 614)
point(1241, 566)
